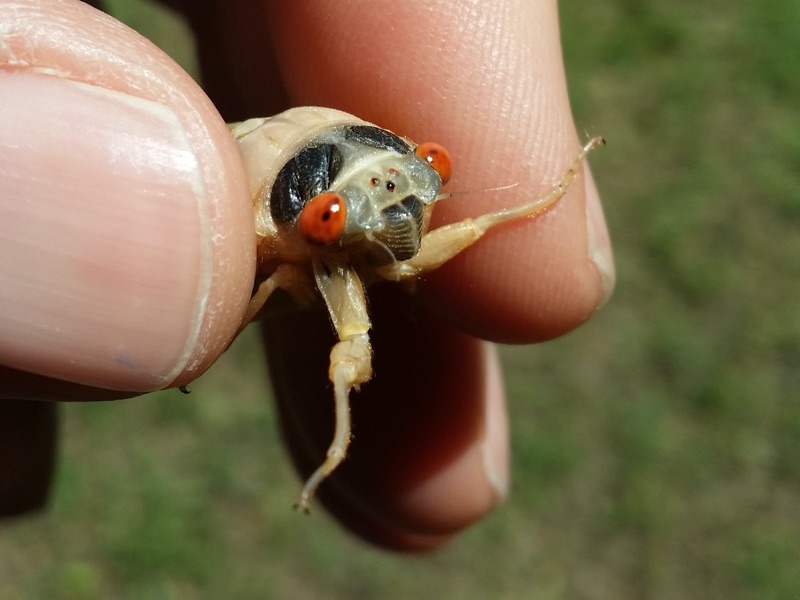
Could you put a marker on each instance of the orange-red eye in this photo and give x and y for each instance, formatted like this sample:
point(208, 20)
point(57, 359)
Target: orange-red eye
point(438, 158)
point(321, 222)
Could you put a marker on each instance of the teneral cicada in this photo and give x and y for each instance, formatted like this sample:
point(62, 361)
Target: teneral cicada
point(340, 203)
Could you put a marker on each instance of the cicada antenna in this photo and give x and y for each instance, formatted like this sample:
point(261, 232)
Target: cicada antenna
point(500, 188)
point(591, 144)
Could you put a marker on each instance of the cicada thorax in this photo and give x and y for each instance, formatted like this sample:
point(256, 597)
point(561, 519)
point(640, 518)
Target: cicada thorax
point(337, 184)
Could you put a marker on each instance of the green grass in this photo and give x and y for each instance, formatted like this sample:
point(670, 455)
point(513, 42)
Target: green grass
point(657, 449)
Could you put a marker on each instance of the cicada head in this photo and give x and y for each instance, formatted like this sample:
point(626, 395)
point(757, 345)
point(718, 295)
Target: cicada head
point(360, 189)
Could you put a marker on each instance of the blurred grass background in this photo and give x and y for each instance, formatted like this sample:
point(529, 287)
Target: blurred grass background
point(656, 450)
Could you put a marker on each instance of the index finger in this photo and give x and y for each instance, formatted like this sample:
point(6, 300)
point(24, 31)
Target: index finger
point(483, 79)
point(486, 80)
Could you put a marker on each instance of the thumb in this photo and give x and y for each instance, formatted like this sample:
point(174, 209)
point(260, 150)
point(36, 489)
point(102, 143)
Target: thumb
point(125, 221)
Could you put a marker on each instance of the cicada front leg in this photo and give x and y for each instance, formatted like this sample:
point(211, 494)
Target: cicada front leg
point(350, 358)
point(442, 244)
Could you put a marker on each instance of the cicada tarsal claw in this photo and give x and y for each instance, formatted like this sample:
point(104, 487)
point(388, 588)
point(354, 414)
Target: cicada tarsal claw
point(442, 244)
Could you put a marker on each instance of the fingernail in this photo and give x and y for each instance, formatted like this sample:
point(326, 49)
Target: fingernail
point(495, 449)
point(102, 217)
point(599, 243)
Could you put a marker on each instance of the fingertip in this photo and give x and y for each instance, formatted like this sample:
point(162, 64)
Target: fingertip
point(475, 481)
point(503, 113)
point(532, 279)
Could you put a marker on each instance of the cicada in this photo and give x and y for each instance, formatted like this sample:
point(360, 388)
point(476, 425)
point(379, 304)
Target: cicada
point(340, 203)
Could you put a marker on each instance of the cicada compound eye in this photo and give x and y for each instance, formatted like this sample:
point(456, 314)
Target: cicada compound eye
point(322, 220)
point(438, 158)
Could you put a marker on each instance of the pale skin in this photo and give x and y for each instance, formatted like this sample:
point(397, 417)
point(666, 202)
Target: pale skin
point(556, 270)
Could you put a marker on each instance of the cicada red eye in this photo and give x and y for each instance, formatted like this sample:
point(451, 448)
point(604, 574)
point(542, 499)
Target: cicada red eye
point(438, 158)
point(322, 220)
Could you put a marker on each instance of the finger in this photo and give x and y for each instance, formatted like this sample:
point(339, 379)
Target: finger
point(125, 222)
point(429, 452)
point(487, 81)
point(27, 455)
point(329, 59)
point(388, 496)
point(376, 502)
point(238, 68)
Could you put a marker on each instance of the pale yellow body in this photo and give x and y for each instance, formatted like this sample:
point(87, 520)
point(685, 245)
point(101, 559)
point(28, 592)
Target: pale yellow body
point(288, 263)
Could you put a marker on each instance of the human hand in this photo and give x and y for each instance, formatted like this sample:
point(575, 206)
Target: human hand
point(430, 453)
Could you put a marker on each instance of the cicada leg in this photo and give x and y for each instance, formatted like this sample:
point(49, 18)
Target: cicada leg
point(442, 244)
point(350, 359)
point(288, 277)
